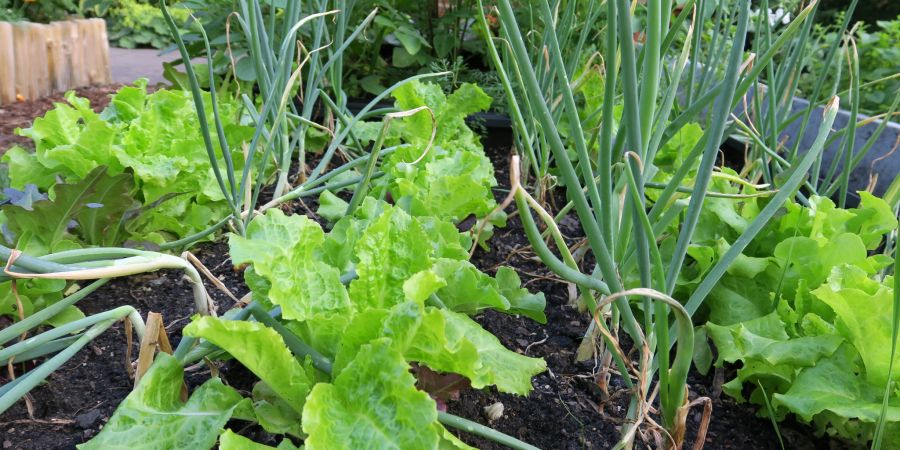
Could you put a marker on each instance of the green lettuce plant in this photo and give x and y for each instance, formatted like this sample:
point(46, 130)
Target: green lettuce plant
point(152, 136)
point(353, 308)
point(439, 167)
point(342, 315)
point(806, 309)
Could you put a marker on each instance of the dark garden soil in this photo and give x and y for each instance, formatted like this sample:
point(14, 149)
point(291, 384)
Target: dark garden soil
point(21, 114)
point(78, 399)
point(566, 410)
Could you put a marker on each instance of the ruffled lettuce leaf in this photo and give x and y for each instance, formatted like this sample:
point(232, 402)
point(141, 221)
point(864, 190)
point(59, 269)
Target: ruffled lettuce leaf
point(863, 309)
point(461, 287)
point(283, 251)
point(261, 350)
point(331, 207)
point(444, 341)
point(154, 416)
point(273, 413)
point(446, 240)
point(450, 112)
point(452, 186)
point(458, 286)
point(521, 301)
point(391, 250)
point(452, 180)
point(767, 352)
point(373, 403)
point(230, 440)
point(841, 401)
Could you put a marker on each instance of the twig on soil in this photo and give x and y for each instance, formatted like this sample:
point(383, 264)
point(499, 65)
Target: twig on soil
point(528, 347)
point(40, 421)
point(537, 276)
point(219, 266)
point(700, 441)
point(172, 323)
point(212, 278)
point(522, 252)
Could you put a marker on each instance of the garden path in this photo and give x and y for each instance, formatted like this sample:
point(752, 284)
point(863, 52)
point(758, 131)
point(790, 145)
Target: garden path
point(128, 65)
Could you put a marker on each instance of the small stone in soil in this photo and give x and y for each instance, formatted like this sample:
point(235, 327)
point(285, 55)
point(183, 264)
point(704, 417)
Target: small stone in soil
point(88, 419)
point(493, 411)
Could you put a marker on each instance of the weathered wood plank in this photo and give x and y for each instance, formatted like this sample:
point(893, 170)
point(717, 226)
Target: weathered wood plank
point(77, 74)
point(57, 59)
point(38, 59)
point(7, 64)
point(24, 80)
point(37, 35)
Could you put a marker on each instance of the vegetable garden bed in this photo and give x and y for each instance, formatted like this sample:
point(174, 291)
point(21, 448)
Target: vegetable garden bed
point(387, 283)
point(561, 413)
point(566, 410)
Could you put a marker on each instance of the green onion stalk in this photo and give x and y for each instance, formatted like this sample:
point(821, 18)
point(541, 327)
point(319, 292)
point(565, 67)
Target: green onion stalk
point(280, 128)
point(64, 341)
point(606, 164)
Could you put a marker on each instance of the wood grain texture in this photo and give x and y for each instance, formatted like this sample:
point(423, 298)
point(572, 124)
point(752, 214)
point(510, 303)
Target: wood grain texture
point(39, 59)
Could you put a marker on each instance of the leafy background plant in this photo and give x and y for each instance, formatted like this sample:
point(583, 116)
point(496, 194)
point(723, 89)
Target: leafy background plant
point(410, 37)
point(154, 136)
point(805, 309)
point(139, 23)
point(879, 63)
point(37, 11)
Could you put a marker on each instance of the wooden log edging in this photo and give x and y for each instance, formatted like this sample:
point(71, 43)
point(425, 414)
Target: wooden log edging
point(37, 60)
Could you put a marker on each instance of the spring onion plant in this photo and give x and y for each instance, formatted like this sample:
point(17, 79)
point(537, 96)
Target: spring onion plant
point(63, 342)
point(767, 115)
point(310, 72)
point(607, 167)
point(577, 27)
